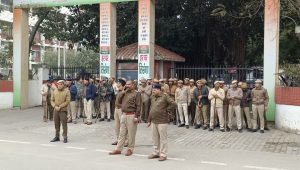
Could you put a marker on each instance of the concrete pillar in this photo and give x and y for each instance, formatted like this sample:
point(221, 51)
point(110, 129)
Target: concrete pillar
point(108, 28)
point(146, 38)
point(271, 51)
point(20, 58)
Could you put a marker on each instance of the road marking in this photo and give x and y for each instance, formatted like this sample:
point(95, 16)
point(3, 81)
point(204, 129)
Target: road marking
point(48, 145)
point(11, 141)
point(214, 163)
point(78, 148)
point(264, 168)
point(100, 150)
point(141, 155)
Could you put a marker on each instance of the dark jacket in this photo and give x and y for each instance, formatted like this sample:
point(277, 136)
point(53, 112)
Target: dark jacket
point(204, 92)
point(73, 92)
point(90, 92)
point(246, 100)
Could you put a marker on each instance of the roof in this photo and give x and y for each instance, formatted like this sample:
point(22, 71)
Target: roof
point(130, 52)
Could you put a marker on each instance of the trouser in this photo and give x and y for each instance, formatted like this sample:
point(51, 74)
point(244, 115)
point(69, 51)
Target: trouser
point(97, 105)
point(128, 127)
point(225, 112)
point(237, 110)
point(218, 111)
point(93, 108)
point(105, 106)
point(88, 109)
point(80, 106)
point(117, 117)
point(247, 116)
point(192, 111)
point(60, 117)
point(73, 110)
point(183, 113)
point(258, 110)
point(201, 117)
point(48, 110)
point(69, 113)
point(160, 139)
point(145, 110)
point(112, 106)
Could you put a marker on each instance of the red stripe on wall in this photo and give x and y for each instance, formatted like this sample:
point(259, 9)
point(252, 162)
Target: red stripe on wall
point(6, 86)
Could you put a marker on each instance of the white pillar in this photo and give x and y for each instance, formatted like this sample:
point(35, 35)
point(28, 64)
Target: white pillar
point(146, 38)
point(20, 58)
point(108, 28)
point(271, 51)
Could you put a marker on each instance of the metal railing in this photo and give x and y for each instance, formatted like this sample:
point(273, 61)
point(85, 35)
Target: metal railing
point(73, 72)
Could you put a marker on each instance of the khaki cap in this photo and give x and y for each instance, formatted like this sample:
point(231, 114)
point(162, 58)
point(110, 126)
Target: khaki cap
point(234, 81)
point(221, 82)
point(143, 80)
point(258, 81)
point(192, 80)
point(199, 81)
point(61, 82)
point(161, 80)
point(203, 81)
point(216, 82)
point(155, 81)
point(180, 81)
point(244, 85)
point(240, 83)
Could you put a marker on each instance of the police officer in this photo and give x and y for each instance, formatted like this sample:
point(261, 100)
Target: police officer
point(245, 106)
point(130, 100)
point(183, 100)
point(201, 100)
point(260, 100)
point(60, 100)
point(160, 108)
point(145, 91)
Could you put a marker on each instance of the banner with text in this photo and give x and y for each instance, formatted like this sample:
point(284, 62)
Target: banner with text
point(144, 39)
point(105, 49)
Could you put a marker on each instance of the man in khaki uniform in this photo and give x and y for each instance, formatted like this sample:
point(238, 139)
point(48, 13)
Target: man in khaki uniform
point(245, 106)
point(160, 108)
point(118, 111)
point(216, 97)
point(234, 96)
point(260, 100)
point(60, 99)
point(46, 98)
point(192, 107)
point(131, 101)
point(164, 87)
point(201, 100)
point(183, 100)
point(145, 91)
point(225, 101)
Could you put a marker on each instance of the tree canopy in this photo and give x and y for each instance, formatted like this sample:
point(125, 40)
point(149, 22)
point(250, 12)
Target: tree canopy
point(206, 32)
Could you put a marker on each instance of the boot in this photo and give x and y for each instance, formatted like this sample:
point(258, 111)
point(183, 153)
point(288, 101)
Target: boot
point(56, 139)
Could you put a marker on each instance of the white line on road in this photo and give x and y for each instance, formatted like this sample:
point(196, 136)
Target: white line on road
point(141, 155)
point(264, 168)
point(48, 145)
point(78, 148)
point(214, 163)
point(11, 141)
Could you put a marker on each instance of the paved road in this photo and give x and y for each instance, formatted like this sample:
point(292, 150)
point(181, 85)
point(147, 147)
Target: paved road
point(24, 144)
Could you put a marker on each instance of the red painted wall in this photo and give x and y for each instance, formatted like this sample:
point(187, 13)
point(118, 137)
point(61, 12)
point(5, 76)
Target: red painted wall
point(6, 86)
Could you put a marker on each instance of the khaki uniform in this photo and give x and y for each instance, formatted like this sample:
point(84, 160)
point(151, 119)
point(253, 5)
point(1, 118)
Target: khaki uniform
point(245, 107)
point(216, 106)
point(145, 101)
point(60, 98)
point(46, 98)
point(234, 106)
point(260, 100)
point(130, 102)
point(183, 99)
point(201, 117)
point(160, 108)
point(192, 107)
point(117, 117)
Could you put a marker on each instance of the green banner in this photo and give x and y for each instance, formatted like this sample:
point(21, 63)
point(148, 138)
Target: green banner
point(53, 3)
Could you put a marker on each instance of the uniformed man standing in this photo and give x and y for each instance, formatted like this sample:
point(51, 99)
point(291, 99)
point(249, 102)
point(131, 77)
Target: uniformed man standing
point(192, 107)
point(106, 91)
point(234, 96)
point(130, 100)
point(160, 108)
point(201, 100)
point(245, 106)
point(90, 93)
point(72, 106)
point(60, 99)
point(260, 100)
point(145, 91)
point(173, 88)
point(216, 96)
point(183, 100)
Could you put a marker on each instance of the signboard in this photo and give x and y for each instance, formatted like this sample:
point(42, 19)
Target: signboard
point(144, 39)
point(105, 39)
point(52, 3)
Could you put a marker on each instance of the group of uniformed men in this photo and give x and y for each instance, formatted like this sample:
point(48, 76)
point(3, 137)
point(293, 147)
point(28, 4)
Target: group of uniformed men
point(156, 102)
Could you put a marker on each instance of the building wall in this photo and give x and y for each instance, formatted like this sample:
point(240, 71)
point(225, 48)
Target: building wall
point(287, 118)
point(6, 100)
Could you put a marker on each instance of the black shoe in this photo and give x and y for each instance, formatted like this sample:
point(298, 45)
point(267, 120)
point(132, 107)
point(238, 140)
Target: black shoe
point(204, 128)
point(81, 116)
point(174, 123)
point(249, 130)
point(196, 127)
point(102, 119)
point(240, 130)
point(93, 117)
point(254, 130)
point(222, 130)
point(108, 120)
point(228, 129)
point(262, 131)
point(210, 129)
point(56, 139)
point(181, 125)
point(65, 140)
point(266, 128)
point(187, 126)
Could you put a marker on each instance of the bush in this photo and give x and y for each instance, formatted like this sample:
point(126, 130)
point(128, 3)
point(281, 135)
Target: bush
point(290, 75)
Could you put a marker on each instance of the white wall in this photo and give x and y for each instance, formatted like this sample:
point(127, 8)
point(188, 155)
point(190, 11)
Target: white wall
point(6, 100)
point(287, 118)
point(34, 95)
